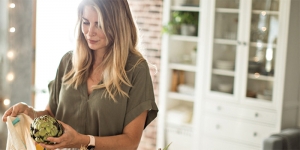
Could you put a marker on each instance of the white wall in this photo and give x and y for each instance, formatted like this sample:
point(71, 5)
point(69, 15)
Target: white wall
point(55, 25)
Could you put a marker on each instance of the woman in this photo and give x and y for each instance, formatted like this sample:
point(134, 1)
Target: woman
point(102, 92)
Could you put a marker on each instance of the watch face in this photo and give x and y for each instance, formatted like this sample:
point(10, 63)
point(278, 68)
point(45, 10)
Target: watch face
point(91, 147)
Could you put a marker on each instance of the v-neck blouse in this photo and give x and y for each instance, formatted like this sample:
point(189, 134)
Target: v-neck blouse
point(96, 114)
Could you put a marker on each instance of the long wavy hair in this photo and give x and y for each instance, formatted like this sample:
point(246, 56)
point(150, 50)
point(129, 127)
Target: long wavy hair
point(115, 19)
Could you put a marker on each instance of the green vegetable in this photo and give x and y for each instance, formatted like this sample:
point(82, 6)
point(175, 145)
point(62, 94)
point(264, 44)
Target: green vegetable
point(43, 127)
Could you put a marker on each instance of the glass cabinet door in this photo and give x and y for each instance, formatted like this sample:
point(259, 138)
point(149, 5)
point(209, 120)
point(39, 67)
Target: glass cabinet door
point(224, 50)
point(262, 49)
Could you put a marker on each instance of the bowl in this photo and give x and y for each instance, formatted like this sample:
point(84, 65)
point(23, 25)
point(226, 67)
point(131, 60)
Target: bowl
point(225, 88)
point(262, 96)
point(186, 89)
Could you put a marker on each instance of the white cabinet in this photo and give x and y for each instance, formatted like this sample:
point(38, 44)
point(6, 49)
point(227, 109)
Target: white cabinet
point(179, 73)
point(244, 84)
point(235, 130)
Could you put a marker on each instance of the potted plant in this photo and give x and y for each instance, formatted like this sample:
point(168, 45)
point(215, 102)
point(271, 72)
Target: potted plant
point(182, 22)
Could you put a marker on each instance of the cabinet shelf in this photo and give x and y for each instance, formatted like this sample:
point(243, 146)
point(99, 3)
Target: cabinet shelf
point(266, 12)
point(183, 67)
point(179, 96)
point(227, 10)
point(186, 8)
point(223, 72)
point(264, 45)
point(184, 38)
point(257, 76)
point(225, 41)
point(250, 100)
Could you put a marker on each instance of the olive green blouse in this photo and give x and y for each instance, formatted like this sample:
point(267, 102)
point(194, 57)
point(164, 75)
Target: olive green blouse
point(95, 114)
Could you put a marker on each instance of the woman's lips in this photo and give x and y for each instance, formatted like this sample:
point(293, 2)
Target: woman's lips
point(92, 41)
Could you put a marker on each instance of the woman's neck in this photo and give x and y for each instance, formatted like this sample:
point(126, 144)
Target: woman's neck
point(98, 58)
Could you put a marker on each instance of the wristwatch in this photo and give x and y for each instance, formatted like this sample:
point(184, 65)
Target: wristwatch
point(91, 145)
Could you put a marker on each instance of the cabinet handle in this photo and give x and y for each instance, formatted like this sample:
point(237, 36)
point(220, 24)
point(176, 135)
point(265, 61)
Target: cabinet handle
point(256, 115)
point(239, 42)
point(219, 108)
point(217, 126)
point(244, 43)
point(254, 134)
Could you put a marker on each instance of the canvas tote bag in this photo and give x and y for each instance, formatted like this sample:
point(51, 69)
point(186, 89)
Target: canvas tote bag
point(18, 137)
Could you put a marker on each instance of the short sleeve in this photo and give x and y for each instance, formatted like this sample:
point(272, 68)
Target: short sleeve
point(141, 95)
point(55, 85)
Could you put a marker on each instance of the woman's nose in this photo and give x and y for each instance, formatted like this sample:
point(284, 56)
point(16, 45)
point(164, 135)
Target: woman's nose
point(92, 31)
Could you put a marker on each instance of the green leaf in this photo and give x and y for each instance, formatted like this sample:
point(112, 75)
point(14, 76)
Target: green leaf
point(166, 148)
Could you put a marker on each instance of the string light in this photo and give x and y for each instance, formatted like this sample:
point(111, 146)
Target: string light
point(12, 5)
point(6, 102)
point(10, 77)
point(12, 29)
point(10, 54)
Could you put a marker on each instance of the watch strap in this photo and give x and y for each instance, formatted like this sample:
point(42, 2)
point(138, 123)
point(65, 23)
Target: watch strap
point(92, 143)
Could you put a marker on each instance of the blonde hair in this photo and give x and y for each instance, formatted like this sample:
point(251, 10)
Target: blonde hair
point(122, 36)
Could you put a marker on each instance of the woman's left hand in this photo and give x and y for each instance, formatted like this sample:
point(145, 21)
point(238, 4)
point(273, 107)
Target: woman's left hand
point(69, 139)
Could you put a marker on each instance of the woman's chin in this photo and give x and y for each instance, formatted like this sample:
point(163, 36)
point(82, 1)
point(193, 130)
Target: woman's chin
point(92, 47)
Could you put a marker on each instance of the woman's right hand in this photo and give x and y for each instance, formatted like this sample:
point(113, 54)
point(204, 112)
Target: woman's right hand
point(17, 109)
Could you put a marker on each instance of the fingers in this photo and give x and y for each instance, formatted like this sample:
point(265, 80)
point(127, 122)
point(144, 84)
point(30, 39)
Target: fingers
point(4, 118)
point(60, 122)
point(65, 126)
point(58, 140)
point(14, 111)
point(54, 140)
point(59, 143)
point(7, 113)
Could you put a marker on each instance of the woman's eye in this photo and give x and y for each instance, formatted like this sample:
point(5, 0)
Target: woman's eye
point(86, 23)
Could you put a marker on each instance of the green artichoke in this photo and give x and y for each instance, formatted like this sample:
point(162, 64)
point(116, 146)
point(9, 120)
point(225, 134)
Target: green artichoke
point(43, 127)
